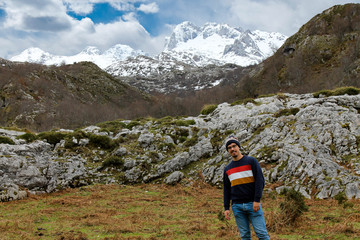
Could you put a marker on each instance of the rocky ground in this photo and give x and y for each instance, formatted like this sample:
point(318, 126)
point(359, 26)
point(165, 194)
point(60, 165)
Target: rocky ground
point(301, 141)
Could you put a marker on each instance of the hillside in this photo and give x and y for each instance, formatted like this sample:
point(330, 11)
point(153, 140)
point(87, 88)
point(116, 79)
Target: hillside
point(42, 97)
point(323, 54)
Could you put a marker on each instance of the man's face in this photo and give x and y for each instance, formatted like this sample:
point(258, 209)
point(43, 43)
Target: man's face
point(234, 150)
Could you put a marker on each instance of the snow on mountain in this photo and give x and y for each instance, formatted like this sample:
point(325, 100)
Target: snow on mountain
point(220, 44)
point(188, 44)
point(144, 66)
point(117, 53)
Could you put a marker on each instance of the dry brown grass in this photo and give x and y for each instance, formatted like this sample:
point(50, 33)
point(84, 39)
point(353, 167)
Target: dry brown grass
point(160, 212)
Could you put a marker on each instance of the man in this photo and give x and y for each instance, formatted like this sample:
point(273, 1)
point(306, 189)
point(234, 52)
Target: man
point(243, 185)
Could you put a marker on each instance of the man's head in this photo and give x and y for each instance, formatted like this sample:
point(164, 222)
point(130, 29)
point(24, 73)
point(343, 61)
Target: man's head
point(232, 145)
point(231, 139)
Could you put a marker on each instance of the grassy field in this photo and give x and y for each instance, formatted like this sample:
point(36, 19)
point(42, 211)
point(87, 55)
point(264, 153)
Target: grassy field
point(162, 212)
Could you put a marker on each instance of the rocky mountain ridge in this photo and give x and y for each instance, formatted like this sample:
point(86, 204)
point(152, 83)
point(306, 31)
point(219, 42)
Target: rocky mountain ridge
point(323, 54)
point(188, 44)
point(310, 142)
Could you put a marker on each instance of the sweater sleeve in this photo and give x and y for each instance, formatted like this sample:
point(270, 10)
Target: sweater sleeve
point(259, 180)
point(226, 191)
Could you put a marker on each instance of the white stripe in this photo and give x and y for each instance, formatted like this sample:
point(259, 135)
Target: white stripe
point(238, 175)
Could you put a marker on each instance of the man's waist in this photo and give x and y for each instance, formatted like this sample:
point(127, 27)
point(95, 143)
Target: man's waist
point(237, 201)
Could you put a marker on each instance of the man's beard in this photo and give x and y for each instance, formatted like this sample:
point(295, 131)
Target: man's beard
point(234, 154)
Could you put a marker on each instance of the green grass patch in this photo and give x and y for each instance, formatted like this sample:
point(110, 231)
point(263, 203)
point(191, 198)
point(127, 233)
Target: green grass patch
point(28, 137)
point(245, 101)
point(112, 126)
point(52, 137)
point(287, 112)
point(6, 140)
point(337, 92)
point(207, 109)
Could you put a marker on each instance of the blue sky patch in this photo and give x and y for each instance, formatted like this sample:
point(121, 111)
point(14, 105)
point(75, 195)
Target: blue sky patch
point(102, 13)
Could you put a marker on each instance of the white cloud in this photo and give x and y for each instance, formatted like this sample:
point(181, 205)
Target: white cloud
point(46, 24)
point(149, 8)
point(275, 15)
point(34, 15)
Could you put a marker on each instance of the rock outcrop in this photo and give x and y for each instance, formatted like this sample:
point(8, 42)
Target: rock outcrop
point(302, 142)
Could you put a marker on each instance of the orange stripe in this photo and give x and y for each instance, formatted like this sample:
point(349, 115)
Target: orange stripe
point(242, 181)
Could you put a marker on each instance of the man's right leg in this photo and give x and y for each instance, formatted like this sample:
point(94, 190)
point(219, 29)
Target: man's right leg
point(242, 221)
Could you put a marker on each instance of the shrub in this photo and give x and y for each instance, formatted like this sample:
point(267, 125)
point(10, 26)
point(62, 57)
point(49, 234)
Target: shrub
point(287, 112)
point(341, 198)
point(112, 126)
point(293, 206)
point(191, 142)
point(326, 93)
point(101, 141)
point(346, 90)
point(113, 161)
point(244, 101)
point(184, 122)
point(338, 92)
point(52, 137)
point(6, 140)
point(132, 124)
point(28, 137)
point(207, 109)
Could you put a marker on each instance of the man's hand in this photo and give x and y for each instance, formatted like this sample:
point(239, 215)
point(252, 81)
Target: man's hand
point(227, 214)
point(256, 206)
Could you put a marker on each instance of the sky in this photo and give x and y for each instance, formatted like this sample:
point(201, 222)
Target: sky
point(66, 27)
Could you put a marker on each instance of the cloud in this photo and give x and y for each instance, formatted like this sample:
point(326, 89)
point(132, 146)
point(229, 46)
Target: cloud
point(22, 14)
point(47, 25)
point(149, 8)
point(52, 24)
point(274, 15)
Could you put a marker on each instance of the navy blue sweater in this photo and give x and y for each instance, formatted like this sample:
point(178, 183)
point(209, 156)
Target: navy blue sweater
point(243, 181)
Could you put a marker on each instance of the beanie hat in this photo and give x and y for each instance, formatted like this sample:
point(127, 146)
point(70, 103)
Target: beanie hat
point(231, 139)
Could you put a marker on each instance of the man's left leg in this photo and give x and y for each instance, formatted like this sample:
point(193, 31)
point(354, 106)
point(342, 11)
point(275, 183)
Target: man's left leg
point(258, 221)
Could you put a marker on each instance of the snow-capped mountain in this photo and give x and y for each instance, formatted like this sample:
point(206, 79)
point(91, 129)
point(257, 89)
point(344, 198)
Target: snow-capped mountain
point(117, 53)
point(220, 44)
point(188, 45)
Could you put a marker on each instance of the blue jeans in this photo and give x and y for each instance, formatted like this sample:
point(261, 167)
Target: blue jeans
point(244, 214)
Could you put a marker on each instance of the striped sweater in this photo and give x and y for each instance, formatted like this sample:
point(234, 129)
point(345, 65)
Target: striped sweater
point(243, 181)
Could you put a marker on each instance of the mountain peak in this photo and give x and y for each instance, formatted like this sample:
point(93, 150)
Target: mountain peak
point(91, 50)
point(219, 44)
point(32, 54)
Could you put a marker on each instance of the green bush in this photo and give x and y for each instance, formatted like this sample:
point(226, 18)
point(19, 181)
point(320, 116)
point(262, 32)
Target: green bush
point(244, 101)
point(346, 90)
point(293, 206)
point(207, 109)
point(326, 93)
point(52, 137)
point(101, 141)
point(6, 140)
point(341, 198)
point(338, 92)
point(191, 142)
point(28, 137)
point(132, 124)
point(113, 161)
point(184, 122)
point(287, 112)
point(112, 126)
point(78, 134)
